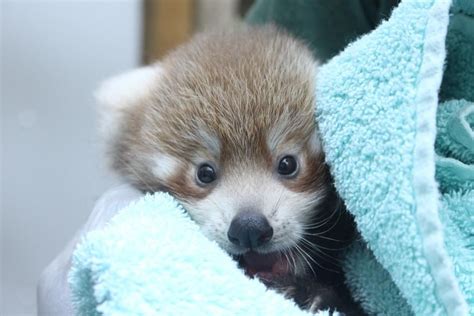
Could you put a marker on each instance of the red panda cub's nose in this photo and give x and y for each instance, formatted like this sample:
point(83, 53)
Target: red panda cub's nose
point(249, 229)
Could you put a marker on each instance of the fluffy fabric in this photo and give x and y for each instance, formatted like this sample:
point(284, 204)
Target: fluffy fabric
point(378, 124)
point(377, 104)
point(153, 260)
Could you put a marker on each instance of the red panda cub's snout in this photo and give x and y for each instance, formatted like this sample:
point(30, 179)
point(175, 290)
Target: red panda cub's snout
point(226, 124)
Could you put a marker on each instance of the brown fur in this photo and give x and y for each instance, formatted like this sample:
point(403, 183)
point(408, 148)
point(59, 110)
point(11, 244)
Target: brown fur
point(315, 176)
point(237, 86)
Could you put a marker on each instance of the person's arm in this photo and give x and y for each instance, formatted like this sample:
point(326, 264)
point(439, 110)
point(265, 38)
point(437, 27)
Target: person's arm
point(53, 294)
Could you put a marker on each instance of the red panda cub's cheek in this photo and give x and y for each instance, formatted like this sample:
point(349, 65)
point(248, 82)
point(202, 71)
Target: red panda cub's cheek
point(180, 181)
point(313, 175)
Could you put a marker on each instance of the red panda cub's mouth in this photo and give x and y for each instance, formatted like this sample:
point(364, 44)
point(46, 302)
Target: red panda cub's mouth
point(264, 266)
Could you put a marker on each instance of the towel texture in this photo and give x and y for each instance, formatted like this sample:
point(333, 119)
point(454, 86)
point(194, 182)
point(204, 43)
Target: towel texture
point(377, 112)
point(398, 130)
point(379, 131)
point(153, 260)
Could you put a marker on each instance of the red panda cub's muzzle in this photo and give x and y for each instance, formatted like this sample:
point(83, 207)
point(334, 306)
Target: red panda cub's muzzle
point(249, 230)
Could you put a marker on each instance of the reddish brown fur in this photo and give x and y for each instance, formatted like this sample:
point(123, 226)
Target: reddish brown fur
point(237, 87)
point(315, 177)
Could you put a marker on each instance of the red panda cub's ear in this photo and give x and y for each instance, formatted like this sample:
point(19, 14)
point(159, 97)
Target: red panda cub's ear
point(120, 93)
point(315, 142)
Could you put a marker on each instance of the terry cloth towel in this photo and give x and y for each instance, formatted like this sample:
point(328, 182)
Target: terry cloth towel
point(152, 259)
point(377, 104)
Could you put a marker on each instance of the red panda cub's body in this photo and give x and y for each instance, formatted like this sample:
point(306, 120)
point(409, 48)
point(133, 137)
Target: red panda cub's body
point(226, 124)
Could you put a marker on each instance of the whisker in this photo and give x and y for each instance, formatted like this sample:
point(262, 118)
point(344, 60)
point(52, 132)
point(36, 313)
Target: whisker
point(328, 258)
point(317, 263)
point(316, 225)
point(323, 247)
point(333, 249)
point(323, 222)
point(277, 204)
point(333, 225)
point(303, 255)
point(285, 253)
point(325, 237)
point(319, 251)
point(292, 257)
point(337, 207)
point(314, 260)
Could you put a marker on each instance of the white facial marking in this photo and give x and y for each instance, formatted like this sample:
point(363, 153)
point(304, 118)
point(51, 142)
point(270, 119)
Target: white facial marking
point(164, 166)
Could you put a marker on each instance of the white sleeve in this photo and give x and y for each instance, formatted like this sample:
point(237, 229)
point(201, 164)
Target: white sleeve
point(53, 294)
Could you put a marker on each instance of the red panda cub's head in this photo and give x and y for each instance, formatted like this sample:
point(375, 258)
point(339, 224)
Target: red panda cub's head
point(226, 124)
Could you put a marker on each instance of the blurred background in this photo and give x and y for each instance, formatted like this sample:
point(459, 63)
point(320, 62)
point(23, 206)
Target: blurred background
point(53, 55)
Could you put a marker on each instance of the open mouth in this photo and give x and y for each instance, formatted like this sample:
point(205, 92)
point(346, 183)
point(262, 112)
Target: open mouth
point(264, 266)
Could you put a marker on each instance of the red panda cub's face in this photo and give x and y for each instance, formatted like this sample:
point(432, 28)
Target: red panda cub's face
point(226, 125)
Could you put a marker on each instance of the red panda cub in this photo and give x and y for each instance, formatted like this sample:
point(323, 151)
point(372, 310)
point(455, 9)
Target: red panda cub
point(226, 124)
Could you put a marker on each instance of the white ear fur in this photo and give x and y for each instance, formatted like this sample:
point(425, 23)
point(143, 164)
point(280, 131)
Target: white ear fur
point(122, 92)
point(315, 142)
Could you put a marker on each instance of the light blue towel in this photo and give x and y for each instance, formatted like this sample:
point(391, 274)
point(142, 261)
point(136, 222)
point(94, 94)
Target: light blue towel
point(153, 260)
point(377, 111)
point(377, 104)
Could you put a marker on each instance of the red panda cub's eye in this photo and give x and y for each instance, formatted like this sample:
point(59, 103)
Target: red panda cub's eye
point(206, 174)
point(287, 166)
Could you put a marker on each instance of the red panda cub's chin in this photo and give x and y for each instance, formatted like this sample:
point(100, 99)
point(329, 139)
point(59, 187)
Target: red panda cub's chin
point(225, 123)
